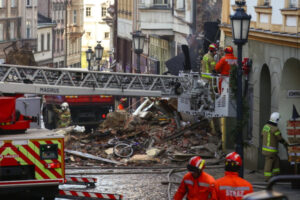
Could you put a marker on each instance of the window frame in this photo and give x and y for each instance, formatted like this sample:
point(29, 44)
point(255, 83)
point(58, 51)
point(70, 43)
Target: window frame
point(42, 42)
point(1, 32)
point(103, 11)
point(88, 11)
point(48, 41)
point(74, 16)
point(2, 3)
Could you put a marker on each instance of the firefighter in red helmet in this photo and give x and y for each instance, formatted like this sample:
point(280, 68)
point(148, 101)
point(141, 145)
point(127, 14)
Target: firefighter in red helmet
point(196, 184)
point(231, 186)
point(224, 65)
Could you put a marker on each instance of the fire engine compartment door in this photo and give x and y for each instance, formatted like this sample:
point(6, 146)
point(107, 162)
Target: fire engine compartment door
point(30, 106)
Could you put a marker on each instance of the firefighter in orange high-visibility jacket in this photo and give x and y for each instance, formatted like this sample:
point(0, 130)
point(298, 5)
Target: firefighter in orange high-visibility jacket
point(63, 114)
point(231, 186)
point(196, 184)
point(271, 137)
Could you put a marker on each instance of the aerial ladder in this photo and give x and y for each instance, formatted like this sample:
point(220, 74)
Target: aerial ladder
point(192, 91)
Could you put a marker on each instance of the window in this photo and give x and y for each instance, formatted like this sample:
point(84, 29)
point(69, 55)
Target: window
point(2, 3)
point(293, 4)
point(28, 29)
point(74, 16)
point(88, 11)
point(12, 30)
point(57, 41)
point(106, 35)
point(13, 3)
point(160, 2)
point(42, 42)
point(48, 41)
point(103, 11)
point(180, 4)
point(28, 2)
point(267, 3)
point(62, 44)
point(1, 32)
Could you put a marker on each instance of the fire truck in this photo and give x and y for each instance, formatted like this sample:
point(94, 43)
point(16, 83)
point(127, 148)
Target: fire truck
point(29, 160)
point(86, 110)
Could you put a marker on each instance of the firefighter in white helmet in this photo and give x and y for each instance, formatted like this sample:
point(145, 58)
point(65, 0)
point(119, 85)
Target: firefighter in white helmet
point(63, 115)
point(271, 137)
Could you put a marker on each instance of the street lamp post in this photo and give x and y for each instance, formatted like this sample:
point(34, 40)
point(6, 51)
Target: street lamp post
point(99, 53)
point(89, 53)
point(138, 45)
point(240, 22)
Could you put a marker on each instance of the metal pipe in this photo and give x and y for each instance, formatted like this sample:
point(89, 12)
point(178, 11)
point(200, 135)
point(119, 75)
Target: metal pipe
point(239, 136)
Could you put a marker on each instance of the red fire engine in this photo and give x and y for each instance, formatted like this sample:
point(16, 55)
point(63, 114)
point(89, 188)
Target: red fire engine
point(86, 110)
point(28, 161)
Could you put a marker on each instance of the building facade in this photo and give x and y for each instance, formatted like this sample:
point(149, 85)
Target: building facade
point(18, 22)
point(58, 15)
point(95, 27)
point(274, 46)
point(74, 31)
point(44, 51)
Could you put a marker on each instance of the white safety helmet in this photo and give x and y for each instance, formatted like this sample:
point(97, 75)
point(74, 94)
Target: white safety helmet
point(64, 106)
point(275, 117)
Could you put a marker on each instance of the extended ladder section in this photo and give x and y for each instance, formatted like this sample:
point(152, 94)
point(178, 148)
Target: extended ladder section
point(55, 81)
point(193, 92)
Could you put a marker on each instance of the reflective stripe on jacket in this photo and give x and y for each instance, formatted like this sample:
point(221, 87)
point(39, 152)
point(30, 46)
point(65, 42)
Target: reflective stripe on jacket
point(271, 137)
point(223, 66)
point(196, 189)
point(232, 187)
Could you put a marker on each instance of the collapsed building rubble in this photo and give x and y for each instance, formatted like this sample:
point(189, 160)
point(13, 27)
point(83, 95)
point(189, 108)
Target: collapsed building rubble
point(156, 132)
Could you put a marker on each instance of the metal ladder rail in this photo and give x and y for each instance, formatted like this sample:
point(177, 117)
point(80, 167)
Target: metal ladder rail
point(43, 80)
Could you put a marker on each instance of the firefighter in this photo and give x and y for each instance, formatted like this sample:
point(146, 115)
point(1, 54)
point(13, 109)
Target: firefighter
point(208, 62)
point(225, 63)
point(63, 114)
point(196, 184)
point(231, 186)
point(271, 137)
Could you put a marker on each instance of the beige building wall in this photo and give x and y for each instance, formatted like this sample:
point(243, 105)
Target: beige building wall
point(274, 46)
point(74, 32)
point(13, 28)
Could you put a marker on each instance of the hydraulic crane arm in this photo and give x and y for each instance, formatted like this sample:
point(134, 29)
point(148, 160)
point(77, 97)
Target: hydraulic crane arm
point(53, 81)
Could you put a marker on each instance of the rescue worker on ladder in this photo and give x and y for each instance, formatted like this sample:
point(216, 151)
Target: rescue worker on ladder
point(208, 62)
point(224, 65)
point(64, 115)
point(231, 186)
point(196, 184)
point(271, 137)
point(208, 65)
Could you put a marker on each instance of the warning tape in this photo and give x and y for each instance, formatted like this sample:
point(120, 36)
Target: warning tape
point(81, 179)
point(92, 195)
point(89, 182)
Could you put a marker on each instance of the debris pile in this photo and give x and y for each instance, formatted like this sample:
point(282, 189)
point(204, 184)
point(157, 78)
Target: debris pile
point(153, 133)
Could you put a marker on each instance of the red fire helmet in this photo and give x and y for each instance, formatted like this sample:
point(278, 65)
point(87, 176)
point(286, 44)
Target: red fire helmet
point(234, 157)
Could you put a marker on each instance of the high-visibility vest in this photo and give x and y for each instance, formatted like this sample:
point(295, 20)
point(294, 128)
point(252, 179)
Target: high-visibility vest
point(271, 137)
